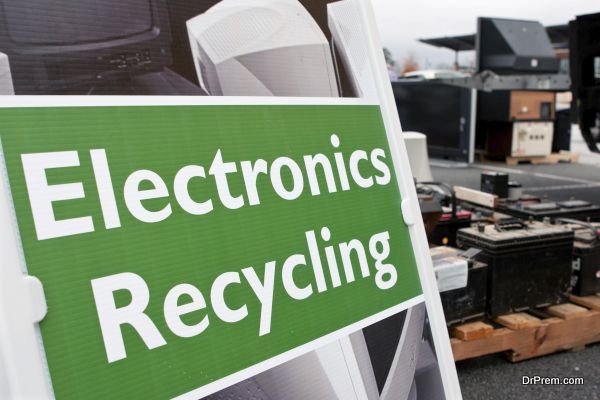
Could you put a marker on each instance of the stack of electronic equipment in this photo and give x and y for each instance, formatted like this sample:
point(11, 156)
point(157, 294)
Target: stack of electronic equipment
point(517, 252)
point(517, 123)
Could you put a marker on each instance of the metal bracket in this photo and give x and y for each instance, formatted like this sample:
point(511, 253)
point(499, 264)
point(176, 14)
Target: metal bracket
point(488, 81)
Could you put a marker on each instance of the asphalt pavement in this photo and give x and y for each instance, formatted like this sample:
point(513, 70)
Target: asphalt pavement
point(493, 377)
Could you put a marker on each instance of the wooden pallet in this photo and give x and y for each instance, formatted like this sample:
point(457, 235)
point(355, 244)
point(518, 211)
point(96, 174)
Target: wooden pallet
point(521, 336)
point(554, 158)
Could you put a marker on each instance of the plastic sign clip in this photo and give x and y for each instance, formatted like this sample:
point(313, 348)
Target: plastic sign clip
point(408, 212)
point(35, 291)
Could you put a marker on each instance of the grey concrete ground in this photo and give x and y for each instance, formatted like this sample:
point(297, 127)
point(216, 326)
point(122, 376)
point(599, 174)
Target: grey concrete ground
point(493, 377)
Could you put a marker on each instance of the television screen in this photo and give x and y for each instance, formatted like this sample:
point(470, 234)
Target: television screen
point(61, 22)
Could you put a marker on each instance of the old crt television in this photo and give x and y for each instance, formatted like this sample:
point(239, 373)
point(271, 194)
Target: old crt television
point(444, 113)
point(287, 53)
point(510, 47)
point(57, 45)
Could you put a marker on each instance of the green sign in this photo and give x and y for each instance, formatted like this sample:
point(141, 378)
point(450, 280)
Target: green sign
point(178, 245)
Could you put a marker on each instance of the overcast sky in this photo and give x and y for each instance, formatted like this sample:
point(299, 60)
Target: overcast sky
point(402, 22)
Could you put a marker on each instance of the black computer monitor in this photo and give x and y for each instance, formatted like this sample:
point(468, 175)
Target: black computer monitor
point(511, 47)
point(444, 113)
point(55, 46)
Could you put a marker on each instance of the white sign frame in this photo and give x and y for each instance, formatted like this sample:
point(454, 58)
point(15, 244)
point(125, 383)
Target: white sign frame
point(23, 369)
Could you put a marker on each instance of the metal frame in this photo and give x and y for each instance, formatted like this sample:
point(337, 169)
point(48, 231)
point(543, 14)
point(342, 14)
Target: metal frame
point(488, 81)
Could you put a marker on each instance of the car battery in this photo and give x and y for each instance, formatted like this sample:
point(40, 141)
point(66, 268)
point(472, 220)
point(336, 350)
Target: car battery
point(462, 282)
point(575, 209)
point(495, 183)
point(529, 263)
point(586, 260)
point(431, 211)
point(484, 214)
point(445, 231)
